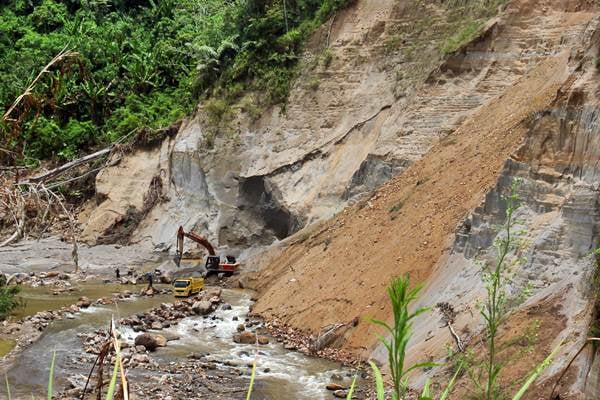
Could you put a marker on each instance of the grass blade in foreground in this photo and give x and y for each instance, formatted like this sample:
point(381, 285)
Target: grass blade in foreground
point(448, 389)
point(51, 377)
point(7, 387)
point(251, 380)
point(113, 381)
point(378, 381)
point(540, 368)
point(351, 390)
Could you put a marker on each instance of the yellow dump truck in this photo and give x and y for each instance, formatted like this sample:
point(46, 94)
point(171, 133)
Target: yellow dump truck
point(185, 287)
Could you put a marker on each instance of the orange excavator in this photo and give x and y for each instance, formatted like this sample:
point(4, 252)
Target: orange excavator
point(214, 264)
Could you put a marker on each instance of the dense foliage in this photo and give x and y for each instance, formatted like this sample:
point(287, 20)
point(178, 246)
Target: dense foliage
point(139, 64)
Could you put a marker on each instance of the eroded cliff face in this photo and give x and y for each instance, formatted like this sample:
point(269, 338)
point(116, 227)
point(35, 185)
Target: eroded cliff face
point(351, 123)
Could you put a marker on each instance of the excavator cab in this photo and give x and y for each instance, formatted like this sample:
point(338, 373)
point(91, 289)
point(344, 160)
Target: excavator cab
point(212, 263)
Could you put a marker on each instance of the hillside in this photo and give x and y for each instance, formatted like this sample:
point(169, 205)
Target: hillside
point(364, 141)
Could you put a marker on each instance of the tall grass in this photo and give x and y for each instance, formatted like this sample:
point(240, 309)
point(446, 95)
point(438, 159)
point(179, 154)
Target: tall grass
point(400, 332)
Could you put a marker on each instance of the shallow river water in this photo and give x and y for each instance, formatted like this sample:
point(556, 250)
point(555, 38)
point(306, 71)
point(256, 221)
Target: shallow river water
point(281, 374)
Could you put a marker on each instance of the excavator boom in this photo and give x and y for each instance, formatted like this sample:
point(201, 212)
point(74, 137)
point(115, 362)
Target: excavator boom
point(213, 262)
point(181, 234)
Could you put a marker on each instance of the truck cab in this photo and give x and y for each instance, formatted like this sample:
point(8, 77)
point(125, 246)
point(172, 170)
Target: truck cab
point(185, 287)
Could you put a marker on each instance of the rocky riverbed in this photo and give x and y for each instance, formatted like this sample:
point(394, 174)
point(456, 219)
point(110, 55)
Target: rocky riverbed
point(200, 347)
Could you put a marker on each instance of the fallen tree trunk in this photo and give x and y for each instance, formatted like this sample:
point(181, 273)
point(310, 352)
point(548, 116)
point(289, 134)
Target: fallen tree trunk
point(72, 164)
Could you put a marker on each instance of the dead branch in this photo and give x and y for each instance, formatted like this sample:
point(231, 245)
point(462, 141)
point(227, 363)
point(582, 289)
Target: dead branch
point(19, 218)
point(330, 27)
point(63, 54)
point(588, 341)
point(72, 164)
point(459, 343)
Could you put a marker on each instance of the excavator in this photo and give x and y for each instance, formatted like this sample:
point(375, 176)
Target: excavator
point(214, 263)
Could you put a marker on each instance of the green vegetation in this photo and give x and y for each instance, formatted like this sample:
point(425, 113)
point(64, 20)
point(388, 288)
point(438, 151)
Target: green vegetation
point(396, 207)
point(138, 64)
point(468, 33)
point(495, 307)
point(8, 298)
point(400, 332)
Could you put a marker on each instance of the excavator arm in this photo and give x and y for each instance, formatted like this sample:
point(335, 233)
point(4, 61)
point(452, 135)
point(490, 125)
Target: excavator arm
point(182, 234)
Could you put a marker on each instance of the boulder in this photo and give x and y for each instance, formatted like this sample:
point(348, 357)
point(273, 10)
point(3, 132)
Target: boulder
point(84, 302)
point(340, 394)
point(150, 341)
point(202, 307)
point(244, 337)
point(241, 328)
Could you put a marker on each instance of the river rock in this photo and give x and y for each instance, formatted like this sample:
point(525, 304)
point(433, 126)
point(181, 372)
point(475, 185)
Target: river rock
point(156, 325)
point(290, 346)
point(334, 386)
point(161, 341)
point(166, 277)
point(340, 394)
point(213, 292)
point(202, 307)
point(150, 341)
point(140, 358)
point(244, 337)
point(12, 328)
point(84, 302)
point(262, 340)
point(241, 328)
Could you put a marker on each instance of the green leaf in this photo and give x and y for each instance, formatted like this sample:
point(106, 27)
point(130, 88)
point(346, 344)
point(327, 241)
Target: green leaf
point(51, 376)
point(450, 385)
point(425, 394)
point(421, 365)
point(113, 381)
point(351, 390)
point(378, 381)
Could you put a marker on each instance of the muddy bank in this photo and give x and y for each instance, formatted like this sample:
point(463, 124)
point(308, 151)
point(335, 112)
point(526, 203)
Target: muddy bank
point(53, 254)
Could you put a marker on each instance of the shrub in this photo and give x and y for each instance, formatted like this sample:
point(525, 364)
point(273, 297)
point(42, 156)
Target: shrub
point(8, 300)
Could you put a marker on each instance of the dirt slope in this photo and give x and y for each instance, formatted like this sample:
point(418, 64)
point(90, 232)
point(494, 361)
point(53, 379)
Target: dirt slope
point(340, 272)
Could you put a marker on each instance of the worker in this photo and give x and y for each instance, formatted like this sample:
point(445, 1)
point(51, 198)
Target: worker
point(149, 276)
point(118, 273)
